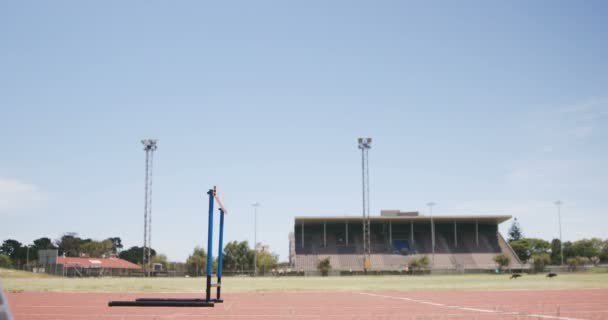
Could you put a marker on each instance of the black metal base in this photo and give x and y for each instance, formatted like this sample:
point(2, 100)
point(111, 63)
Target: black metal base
point(151, 302)
point(177, 299)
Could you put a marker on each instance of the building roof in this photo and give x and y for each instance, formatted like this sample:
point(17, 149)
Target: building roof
point(497, 219)
point(106, 263)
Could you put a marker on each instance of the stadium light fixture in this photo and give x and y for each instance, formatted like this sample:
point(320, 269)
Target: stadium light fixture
point(149, 144)
point(365, 143)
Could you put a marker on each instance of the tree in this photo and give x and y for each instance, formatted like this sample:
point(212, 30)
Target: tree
point(574, 262)
point(556, 255)
point(43, 243)
point(604, 251)
point(162, 259)
point(324, 265)
point(267, 261)
point(238, 256)
point(5, 261)
point(196, 263)
point(526, 247)
point(69, 244)
point(587, 247)
point(116, 244)
point(515, 232)
point(10, 247)
point(96, 249)
point(502, 261)
point(15, 250)
point(135, 254)
point(568, 252)
point(540, 261)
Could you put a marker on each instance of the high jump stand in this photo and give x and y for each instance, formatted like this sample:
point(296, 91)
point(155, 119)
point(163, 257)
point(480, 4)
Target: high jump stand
point(194, 302)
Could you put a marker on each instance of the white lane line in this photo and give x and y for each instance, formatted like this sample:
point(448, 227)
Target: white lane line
point(474, 309)
point(532, 315)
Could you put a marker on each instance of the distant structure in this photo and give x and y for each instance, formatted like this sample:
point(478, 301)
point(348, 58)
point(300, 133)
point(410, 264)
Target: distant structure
point(96, 267)
point(50, 262)
point(149, 148)
point(464, 242)
point(364, 145)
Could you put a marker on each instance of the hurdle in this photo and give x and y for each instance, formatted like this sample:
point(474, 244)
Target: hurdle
point(194, 302)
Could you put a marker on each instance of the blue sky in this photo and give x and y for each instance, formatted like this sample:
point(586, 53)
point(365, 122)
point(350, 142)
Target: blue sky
point(486, 107)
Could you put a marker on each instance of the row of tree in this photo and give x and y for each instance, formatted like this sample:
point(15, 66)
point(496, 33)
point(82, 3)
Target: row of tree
point(535, 250)
point(238, 256)
point(70, 245)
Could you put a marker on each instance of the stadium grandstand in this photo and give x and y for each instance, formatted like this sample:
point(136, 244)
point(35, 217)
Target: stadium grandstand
point(462, 243)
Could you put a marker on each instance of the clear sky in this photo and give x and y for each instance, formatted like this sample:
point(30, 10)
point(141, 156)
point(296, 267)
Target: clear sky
point(489, 107)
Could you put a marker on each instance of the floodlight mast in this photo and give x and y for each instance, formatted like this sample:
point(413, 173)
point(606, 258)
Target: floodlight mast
point(255, 237)
point(149, 148)
point(364, 145)
point(559, 203)
point(431, 205)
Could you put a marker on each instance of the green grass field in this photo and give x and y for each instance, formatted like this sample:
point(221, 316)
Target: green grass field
point(18, 281)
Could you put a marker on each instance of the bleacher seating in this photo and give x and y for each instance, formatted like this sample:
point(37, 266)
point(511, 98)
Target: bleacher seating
point(469, 252)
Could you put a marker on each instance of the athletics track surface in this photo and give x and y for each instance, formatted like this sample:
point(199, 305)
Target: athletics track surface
point(419, 305)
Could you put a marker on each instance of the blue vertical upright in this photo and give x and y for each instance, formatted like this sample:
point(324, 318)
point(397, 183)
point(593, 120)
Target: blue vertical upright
point(220, 255)
point(210, 244)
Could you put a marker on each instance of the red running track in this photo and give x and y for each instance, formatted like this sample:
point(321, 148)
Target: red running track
point(588, 304)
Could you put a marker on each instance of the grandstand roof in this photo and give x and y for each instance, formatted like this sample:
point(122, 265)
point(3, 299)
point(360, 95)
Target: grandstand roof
point(437, 219)
point(106, 263)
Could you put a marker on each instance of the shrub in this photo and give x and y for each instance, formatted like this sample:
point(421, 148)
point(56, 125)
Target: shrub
point(502, 261)
point(540, 261)
point(574, 263)
point(324, 265)
point(5, 261)
point(419, 263)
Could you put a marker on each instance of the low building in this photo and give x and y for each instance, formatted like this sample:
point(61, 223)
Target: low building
point(97, 267)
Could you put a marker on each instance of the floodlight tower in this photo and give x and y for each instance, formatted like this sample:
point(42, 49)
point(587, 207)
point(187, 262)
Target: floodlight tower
point(431, 205)
point(365, 144)
point(255, 237)
point(149, 148)
point(558, 203)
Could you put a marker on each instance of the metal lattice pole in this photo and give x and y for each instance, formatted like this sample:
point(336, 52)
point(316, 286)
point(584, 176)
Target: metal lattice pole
point(558, 203)
point(365, 145)
point(149, 148)
point(368, 220)
point(369, 230)
point(143, 258)
point(430, 205)
point(255, 238)
point(364, 209)
point(150, 212)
